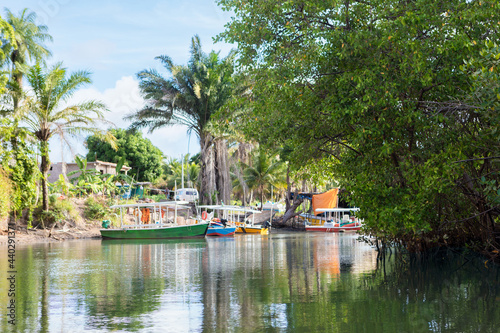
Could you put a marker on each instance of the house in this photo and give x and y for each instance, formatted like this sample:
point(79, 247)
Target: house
point(103, 167)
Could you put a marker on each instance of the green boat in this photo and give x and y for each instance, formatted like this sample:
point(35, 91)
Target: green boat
point(158, 220)
point(185, 231)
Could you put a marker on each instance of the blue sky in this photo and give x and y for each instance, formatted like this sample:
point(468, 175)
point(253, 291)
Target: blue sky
point(115, 40)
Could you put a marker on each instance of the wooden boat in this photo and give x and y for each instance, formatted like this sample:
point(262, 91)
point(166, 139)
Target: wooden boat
point(222, 231)
point(155, 221)
point(236, 217)
point(335, 220)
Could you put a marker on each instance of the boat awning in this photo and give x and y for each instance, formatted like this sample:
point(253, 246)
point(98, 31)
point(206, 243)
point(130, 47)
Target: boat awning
point(328, 199)
point(333, 210)
point(230, 208)
point(153, 204)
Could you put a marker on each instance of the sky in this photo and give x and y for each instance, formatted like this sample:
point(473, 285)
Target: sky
point(117, 39)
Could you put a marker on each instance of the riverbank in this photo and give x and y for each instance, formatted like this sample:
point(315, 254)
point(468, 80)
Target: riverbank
point(74, 221)
point(81, 218)
point(29, 236)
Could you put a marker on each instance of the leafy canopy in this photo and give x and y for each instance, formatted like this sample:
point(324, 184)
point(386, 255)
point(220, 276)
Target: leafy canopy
point(190, 96)
point(380, 87)
point(139, 153)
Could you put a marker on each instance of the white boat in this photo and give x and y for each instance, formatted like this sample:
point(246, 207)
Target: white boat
point(235, 216)
point(335, 220)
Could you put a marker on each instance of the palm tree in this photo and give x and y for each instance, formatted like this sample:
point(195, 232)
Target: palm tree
point(173, 172)
point(27, 45)
point(263, 172)
point(45, 116)
point(191, 97)
point(7, 35)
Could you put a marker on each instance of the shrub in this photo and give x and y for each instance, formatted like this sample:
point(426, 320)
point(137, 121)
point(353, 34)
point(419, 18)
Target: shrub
point(53, 199)
point(156, 197)
point(59, 211)
point(96, 209)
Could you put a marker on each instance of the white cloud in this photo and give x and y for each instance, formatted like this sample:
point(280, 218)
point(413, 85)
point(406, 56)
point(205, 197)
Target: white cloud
point(125, 98)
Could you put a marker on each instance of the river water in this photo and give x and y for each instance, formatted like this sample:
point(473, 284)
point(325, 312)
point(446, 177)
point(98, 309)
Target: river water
point(284, 282)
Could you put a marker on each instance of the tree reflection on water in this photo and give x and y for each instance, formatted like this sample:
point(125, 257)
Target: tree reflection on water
point(280, 282)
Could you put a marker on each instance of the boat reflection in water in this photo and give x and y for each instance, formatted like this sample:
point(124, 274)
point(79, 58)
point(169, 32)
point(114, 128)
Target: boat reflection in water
point(284, 282)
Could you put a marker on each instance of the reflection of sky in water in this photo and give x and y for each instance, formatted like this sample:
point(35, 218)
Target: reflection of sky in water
point(293, 281)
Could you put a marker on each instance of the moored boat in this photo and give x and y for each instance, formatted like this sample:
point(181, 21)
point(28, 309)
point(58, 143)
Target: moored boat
point(335, 220)
point(155, 221)
point(236, 217)
point(221, 231)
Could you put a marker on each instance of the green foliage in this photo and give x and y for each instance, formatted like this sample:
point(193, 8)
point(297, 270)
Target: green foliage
point(21, 41)
point(5, 194)
point(26, 40)
point(194, 159)
point(173, 172)
point(137, 152)
point(45, 114)
point(96, 209)
point(90, 181)
point(262, 173)
point(83, 173)
point(191, 96)
point(87, 180)
point(18, 161)
point(156, 197)
point(382, 88)
point(62, 186)
point(52, 199)
point(6, 37)
point(60, 210)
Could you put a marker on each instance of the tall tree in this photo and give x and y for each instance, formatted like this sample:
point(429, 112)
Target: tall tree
point(191, 96)
point(6, 38)
point(23, 173)
point(45, 114)
point(379, 86)
point(27, 45)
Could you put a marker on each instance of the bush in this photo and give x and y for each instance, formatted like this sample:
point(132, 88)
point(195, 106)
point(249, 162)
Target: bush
point(156, 197)
point(96, 209)
point(59, 211)
point(53, 199)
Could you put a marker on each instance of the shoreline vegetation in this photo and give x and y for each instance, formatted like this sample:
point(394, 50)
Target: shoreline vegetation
point(70, 218)
point(81, 218)
point(394, 103)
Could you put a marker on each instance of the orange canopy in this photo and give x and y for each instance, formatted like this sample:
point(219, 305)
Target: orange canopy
point(325, 200)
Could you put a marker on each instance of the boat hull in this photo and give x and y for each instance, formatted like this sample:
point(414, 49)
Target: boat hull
point(252, 230)
point(185, 231)
point(220, 231)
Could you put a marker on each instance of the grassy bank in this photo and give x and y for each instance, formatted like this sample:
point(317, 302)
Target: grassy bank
point(67, 218)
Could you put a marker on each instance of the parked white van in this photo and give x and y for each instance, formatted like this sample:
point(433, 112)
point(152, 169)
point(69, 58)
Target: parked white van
point(187, 194)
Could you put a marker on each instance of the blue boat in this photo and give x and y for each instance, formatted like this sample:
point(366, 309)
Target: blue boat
point(216, 230)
